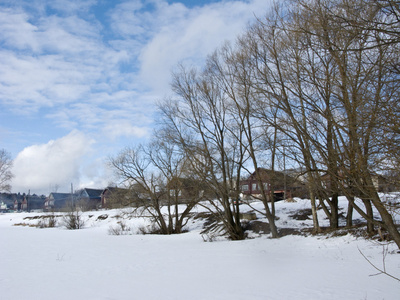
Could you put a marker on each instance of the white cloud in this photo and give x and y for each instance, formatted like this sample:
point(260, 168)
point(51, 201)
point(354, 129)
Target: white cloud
point(66, 65)
point(52, 60)
point(16, 30)
point(69, 58)
point(94, 177)
point(59, 162)
point(174, 33)
point(125, 129)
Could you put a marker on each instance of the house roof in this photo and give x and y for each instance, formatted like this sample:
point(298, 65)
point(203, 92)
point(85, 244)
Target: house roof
point(35, 202)
point(36, 199)
point(112, 189)
point(93, 193)
point(60, 196)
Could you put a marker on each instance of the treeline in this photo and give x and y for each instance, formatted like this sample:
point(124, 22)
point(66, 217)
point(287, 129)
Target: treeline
point(315, 81)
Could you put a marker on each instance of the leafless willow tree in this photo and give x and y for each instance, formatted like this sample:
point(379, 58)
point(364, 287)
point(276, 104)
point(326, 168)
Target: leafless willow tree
point(203, 127)
point(5, 170)
point(276, 54)
point(230, 69)
point(380, 17)
point(149, 171)
point(317, 73)
point(332, 84)
point(363, 87)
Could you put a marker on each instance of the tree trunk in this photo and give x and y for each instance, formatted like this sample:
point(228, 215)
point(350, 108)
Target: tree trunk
point(316, 229)
point(370, 213)
point(350, 208)
point(387, 220)
point(334, 216)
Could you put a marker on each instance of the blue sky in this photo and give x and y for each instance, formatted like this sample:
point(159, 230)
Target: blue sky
point(79, 79)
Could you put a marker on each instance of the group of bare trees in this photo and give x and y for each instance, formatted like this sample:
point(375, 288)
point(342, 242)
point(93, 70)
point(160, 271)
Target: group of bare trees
point(324, 76)
point(148, 171)
point(5, 170)
point(319, 79)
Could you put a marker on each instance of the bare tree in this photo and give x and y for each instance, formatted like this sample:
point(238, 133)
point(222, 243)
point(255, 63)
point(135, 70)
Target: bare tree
point(279, 85)
point(207, 133)
point(359, 86)
point(149, 171)
point(5, 170)
point(331, 86)
point(374, 18)
point(231, 70)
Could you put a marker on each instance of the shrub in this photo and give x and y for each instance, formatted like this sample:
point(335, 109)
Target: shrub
point(120, 229)
point(52, 221)
point(150, 229)
point(48, 221)
point(73, 220)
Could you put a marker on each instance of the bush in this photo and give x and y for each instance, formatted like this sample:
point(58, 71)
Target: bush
point(150, 229)
point(47, 222)
point(73, 220)
point(120, 229)
point(52, 221)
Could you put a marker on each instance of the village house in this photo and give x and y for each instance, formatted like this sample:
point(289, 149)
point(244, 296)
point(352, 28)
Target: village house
point(185, 190)
point(3, 206)
point(381, 184)
point(24, 204)
point(58, 201)
point(17, 204)
point(112, 197)
point(283, 185)
point(87, 199)
point(32, 202)
point(9, 199)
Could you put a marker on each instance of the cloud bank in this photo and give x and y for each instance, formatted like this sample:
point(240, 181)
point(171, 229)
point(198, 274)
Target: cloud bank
point(95, 69)
point(55, 164)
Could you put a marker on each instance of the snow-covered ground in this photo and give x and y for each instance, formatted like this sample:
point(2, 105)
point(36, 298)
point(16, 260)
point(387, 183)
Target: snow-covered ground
point(55, 263)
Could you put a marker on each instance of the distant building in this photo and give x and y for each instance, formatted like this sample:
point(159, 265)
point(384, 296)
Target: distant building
point(32, 202)
point(187, 190)
point(283, 185)
point(3, 206)
point(58, 201)
point(114, 197)
point(88, 199)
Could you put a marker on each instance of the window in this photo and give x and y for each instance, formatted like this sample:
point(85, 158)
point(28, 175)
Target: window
point(254, 187)
point(245, 187)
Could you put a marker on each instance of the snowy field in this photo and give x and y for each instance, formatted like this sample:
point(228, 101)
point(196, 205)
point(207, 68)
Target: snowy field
point(55, 263)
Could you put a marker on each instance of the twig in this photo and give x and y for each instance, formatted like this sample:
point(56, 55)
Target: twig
point(383, 262)
point(60, 258)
